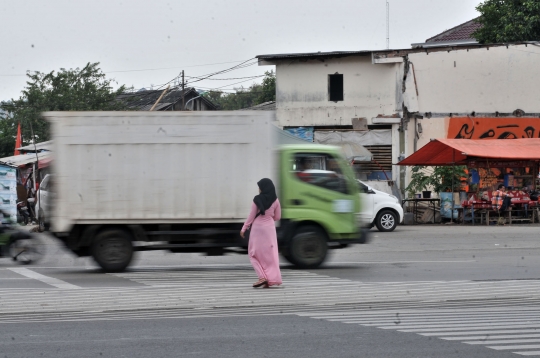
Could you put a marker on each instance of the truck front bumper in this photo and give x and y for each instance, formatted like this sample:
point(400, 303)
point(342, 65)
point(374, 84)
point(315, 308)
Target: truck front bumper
point(362, 238)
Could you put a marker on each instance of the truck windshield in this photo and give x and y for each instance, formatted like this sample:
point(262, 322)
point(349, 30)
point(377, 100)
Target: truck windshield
point(321, 170)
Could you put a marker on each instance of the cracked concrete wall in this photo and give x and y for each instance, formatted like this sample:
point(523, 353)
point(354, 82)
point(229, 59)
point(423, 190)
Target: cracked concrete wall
point(461, 82)
point(478, 80)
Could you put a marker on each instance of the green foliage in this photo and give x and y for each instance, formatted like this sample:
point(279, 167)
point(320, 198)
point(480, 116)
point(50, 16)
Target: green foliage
point(420, 181)
point(439, 180)
point(246, 97)
point(268, 88)
point(84, 89)
point(508, 21)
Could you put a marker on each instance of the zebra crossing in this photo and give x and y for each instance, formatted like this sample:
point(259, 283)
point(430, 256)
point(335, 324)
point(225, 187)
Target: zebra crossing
point(512, 327)
point(500, 315)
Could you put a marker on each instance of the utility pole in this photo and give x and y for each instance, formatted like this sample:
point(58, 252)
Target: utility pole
point(183, 92)
point(387, 25)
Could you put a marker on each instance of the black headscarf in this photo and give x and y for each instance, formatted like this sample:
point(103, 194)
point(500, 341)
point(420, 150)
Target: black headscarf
point(267, 196)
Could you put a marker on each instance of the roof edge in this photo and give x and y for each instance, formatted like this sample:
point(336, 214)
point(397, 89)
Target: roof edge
point(308, 55)
point(453, 28)
point(431, 47)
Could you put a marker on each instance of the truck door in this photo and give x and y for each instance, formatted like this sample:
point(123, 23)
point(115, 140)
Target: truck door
point(316, 188)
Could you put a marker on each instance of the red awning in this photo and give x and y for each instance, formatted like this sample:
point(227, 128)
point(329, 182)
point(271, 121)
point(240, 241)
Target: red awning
point(457, 151)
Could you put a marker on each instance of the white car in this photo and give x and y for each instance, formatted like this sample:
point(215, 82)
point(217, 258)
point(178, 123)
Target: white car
point(379, 209)
point(43, 202)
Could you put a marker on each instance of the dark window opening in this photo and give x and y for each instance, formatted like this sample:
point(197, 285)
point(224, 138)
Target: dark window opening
point(379, 126)
point(335, 87)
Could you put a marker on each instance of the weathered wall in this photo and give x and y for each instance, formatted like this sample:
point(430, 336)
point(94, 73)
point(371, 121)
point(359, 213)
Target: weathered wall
point(497, 79)
point(431, 128)
point(447, 88)
point(302, 91)
point(474, 86)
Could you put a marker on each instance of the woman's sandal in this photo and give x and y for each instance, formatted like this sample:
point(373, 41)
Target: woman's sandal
point(260, 283)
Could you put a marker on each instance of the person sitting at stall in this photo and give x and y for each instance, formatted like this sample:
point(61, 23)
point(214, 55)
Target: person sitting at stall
point(501, 201)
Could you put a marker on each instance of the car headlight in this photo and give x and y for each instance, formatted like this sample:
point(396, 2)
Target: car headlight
point(395, 198)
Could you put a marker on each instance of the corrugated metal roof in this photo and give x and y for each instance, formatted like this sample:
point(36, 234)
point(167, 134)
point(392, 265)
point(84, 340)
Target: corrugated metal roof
point(314, 54)
point(39, 146)
point(143, 100)
point(18, 160)
point(266, 106)
point(159, 107)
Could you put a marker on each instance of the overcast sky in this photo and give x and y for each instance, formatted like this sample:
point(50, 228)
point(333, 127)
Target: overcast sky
point(142, 43)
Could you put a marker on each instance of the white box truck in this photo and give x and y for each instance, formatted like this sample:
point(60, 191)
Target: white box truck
point(185, 181)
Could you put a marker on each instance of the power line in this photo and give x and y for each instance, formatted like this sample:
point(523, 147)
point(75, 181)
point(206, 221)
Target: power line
point(239, 66)
point(241, 93)
point(225, 89)
point(173, 68)
point(232, 84)
point(228, 79)
point(141, 70)
point(207, 76)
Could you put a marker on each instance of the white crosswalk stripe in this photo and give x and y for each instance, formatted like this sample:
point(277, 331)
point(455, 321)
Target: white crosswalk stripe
point(515, 329)
point(500, 315)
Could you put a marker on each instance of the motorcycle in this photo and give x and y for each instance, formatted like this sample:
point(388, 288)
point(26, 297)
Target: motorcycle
point(23, 216)
point(25, 212)
point(22, 246)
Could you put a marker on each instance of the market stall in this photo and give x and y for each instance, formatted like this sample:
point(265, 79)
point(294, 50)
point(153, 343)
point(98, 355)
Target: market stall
point(513, 163)
point(28, 171)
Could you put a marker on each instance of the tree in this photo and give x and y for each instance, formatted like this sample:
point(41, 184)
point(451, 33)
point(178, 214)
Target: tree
point(85, 89)
point(268, 88)
point(439, 179)
point(246, 97)
point(508, 21)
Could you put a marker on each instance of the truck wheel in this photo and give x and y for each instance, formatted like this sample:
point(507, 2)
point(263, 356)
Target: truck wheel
point(386, 220)
point(112, 249)
point(308, 248)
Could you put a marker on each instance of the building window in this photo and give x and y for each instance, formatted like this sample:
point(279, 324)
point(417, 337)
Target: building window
point(335, 87)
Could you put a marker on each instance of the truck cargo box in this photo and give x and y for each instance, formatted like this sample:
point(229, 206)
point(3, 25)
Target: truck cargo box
point(158, 167)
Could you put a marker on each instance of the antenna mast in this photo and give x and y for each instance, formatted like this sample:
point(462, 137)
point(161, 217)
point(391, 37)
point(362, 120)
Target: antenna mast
point(387, 25)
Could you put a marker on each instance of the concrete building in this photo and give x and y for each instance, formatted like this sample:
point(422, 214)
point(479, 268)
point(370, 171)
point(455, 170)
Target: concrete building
point(466, 90)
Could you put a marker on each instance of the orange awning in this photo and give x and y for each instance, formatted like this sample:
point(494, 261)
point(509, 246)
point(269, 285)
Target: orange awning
point(440, 152)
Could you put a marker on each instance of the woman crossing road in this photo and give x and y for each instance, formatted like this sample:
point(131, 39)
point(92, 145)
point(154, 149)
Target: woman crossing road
point(262, 247)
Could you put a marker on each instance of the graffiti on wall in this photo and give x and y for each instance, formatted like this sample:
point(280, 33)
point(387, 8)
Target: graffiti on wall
point(493, 128)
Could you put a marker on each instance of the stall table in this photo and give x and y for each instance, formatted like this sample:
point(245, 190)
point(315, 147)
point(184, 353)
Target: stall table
point(486, 208)
point(431, 203)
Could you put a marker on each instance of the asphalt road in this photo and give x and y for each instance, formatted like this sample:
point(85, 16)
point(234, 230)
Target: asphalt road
point(421, 291)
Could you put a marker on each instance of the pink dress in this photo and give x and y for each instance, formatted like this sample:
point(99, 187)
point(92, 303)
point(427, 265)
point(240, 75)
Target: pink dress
point(263, 248)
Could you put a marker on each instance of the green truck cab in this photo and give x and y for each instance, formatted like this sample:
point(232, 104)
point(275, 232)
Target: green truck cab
point(319, 200)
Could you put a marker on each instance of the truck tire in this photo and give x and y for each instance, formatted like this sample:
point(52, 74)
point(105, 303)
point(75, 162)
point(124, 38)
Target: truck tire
point(113, 250)
point(308, 248)
point(386, 220)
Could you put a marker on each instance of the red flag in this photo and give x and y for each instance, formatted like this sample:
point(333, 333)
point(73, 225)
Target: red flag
point(18, 141)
